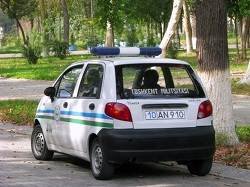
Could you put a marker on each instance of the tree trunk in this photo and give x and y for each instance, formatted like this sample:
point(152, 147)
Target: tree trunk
point(172, 25)
point(244, 36)
point(18, 24)
point(237, 39)
point(45, 37)
point(213, 64)
point(65, 21)
point(25, 40)
point(187, 27)
point(109, 35)
point(193, 26)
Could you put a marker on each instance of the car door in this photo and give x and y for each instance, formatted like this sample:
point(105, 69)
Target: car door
point(65, 87)
point(80, 112)
point(174, 105)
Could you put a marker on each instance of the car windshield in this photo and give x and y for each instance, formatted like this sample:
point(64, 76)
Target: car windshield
point(142, 81)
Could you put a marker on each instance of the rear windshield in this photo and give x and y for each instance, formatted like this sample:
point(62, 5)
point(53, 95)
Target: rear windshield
point(142, 81)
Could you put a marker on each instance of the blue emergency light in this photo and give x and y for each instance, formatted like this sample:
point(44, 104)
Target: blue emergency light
point(126, 51)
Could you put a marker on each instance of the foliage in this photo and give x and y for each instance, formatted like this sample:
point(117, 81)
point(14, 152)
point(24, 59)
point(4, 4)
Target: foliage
point(60, 49)
point(17, 9)
point(31, 53)
point(221, 139)
point(173, 50)
point(237, 9)
point(243, 133)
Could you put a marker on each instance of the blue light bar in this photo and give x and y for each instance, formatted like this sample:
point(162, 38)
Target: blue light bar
point(126, 51)
point(104, 51)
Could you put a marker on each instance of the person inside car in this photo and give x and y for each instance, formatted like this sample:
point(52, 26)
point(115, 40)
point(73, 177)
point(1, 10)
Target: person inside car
point(93, 80)
point(150, 79)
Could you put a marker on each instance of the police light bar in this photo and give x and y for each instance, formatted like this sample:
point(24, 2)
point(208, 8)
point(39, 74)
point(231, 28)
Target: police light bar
point(125, 51)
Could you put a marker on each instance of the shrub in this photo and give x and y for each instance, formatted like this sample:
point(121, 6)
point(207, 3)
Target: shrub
point(173, 50)
point(60, 49)
point(31, 53)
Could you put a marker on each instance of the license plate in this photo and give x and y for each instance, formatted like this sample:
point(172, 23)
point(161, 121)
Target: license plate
point(165, 114)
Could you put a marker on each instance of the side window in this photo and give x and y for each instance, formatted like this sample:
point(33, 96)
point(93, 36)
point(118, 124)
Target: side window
point(67, 83)
point(90, 85)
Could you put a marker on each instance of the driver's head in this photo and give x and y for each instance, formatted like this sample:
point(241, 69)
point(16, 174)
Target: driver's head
point(151, 76)
point(93, 76)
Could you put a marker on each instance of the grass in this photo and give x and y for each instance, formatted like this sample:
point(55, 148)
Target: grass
point(19, 112)
point(10, 49)
point(19, 68)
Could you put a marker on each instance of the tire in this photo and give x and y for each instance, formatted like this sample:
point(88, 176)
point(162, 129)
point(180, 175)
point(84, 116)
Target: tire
point(39, 146)
point(101, 169)
point(200, 167)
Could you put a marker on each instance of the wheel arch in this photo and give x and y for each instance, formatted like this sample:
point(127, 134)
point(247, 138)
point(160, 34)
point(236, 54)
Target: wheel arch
point(36, 122)
point(91, 139)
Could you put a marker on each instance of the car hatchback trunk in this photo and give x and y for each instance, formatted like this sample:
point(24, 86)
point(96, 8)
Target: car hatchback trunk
point(172, 113)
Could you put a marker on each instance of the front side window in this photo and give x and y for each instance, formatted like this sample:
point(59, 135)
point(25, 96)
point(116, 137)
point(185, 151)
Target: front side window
point(156, 81)
point(66, 85)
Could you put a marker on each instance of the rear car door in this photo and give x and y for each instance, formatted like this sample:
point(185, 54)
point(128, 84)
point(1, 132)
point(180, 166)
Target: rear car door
point(173, 103)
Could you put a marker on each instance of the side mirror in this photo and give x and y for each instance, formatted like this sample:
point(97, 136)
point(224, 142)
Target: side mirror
point(50, 92)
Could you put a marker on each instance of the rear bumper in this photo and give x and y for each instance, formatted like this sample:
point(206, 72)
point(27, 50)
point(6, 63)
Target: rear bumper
point(179, 144)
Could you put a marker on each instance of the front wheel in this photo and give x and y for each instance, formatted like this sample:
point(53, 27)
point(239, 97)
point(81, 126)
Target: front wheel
point(39, 146)
point(200, 167)
point(101, 169)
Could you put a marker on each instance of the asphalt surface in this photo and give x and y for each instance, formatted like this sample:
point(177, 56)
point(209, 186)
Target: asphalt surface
point(19, 168)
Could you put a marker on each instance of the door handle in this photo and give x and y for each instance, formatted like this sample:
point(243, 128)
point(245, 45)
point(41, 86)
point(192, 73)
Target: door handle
point(92, 106)
point(65, 105)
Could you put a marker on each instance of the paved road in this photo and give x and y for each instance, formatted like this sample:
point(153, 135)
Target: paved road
point(19, 168)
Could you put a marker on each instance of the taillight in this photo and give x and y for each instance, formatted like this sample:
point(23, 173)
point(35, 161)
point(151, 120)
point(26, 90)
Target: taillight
point(205, 110)
point(118, 111)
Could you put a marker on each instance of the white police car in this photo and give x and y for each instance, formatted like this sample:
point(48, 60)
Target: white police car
point(128, 109)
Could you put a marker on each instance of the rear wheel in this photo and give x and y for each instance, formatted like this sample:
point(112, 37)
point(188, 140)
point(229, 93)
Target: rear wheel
point(39, 146)
point(101, 169)
point(200, 167)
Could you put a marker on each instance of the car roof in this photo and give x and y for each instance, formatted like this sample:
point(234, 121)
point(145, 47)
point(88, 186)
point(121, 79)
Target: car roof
point(132, 60)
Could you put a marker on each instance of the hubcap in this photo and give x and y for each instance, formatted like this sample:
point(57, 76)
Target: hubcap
point(39, 143)
point(97, 159)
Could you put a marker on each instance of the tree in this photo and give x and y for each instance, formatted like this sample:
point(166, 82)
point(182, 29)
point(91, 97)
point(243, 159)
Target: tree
point(110, 15)
point(244, 35)
point(188, 29)
point(238, 10)
point(213, 64)
point(17, 9)
point(65, 21)
point(172, 25)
